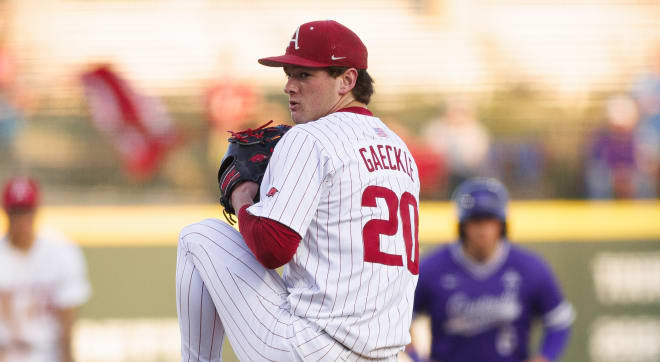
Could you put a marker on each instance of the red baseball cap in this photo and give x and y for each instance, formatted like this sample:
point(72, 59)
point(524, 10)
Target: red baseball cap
point(20, 193)
point(321, 44)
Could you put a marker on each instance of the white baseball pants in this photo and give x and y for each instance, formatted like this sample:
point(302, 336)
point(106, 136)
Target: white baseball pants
point(221, 289)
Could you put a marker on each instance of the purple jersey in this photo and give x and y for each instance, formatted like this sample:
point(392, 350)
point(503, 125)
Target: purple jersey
point(483, 311)
point(615, 149)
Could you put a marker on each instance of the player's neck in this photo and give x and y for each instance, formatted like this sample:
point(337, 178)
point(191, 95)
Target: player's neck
point(346, 101)
point(23, 245)
point(480, 253)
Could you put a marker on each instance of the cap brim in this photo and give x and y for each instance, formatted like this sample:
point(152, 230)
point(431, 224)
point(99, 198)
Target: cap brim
point(284, 60)
point(494, 214)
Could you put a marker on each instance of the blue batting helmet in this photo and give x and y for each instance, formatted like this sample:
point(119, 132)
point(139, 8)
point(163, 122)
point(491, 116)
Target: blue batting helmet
point(479, 196)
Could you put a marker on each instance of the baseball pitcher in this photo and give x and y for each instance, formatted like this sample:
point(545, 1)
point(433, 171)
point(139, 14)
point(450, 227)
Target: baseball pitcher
point(337, 206)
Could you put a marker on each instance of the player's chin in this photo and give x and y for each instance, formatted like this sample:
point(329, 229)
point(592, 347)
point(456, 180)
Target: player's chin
point(298, 118)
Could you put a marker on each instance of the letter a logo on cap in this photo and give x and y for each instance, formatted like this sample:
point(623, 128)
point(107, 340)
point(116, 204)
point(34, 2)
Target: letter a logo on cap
point(294, 40)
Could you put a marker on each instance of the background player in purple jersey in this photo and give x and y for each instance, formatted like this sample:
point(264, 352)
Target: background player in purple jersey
point(483, 292)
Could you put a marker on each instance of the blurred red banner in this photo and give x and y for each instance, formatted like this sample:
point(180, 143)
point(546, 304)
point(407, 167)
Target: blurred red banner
point(138, 126)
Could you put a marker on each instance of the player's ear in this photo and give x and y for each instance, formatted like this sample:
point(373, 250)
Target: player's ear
point(347, 81)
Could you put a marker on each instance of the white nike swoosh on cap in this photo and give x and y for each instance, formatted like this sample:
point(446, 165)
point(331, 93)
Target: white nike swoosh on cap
point(333, 57)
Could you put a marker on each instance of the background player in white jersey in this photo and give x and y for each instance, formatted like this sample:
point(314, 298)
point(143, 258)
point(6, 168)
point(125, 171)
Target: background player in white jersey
point(43, 280)
point(338, 207)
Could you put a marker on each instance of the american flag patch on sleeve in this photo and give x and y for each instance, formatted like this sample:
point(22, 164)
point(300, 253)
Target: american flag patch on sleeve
point(380, 132)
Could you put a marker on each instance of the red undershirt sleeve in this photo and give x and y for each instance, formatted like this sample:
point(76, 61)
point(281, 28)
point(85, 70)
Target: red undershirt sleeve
point(273, 244)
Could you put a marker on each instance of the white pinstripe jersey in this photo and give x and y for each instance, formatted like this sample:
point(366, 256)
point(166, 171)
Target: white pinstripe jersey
point(349, 186)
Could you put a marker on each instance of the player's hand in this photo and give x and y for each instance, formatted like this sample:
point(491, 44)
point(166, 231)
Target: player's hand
point(538, 359)
point(243, 194)
point(246, 159)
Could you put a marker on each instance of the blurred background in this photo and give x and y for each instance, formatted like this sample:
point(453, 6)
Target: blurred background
point(120, 109)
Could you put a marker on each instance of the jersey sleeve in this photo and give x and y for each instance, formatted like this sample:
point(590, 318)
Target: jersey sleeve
point(292, 184)
point(276, 243)
point(74, 288)
point(548, 300)
point(557, 313)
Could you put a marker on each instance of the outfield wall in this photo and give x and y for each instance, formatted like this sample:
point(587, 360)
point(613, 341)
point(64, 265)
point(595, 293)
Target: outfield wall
point(606, 256)
point(529, 221)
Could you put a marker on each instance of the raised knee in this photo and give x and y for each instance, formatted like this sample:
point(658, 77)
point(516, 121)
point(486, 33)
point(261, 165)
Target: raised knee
point(207, 232)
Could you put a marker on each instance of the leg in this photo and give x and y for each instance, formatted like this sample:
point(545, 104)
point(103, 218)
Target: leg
point(202, 333)
point(218, 276)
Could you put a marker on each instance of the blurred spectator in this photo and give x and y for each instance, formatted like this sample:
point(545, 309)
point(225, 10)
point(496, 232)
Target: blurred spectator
point(648, 158)
point(229, 106)
point(611, 166)
point(646, 91)
point(10, 115)
point(431, 166)
point(10, 120)
point(520, 163)
point(461, 139)
point(43, 281)
point(229, 103)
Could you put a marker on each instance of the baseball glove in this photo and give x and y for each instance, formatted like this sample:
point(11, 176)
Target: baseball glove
point(246, 160)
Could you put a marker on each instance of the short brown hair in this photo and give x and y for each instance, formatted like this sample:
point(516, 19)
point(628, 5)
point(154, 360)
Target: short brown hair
point(364, 85)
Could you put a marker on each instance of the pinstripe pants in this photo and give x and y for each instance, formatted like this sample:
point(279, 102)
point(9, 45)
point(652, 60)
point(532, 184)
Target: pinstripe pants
point(221, 289)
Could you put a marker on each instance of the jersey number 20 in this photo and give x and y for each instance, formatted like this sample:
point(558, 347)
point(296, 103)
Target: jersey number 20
point(376, 227)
